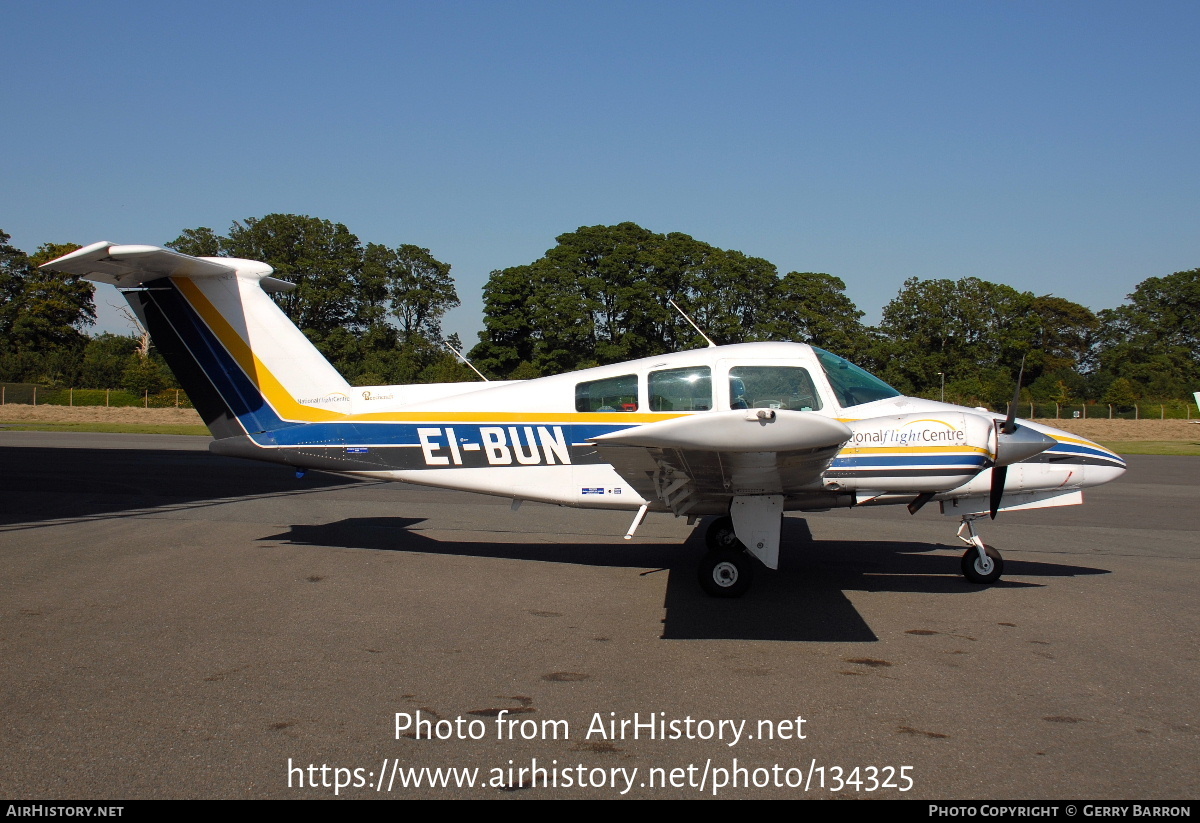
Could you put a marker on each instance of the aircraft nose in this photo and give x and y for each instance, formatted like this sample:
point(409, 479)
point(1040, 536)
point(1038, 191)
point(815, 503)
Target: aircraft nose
point(1104, 465)
point(1099, 475)
point(1095, 464)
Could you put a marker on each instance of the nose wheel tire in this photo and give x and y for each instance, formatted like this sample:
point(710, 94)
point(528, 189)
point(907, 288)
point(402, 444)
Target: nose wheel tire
point(977, 570)
point(726, 573)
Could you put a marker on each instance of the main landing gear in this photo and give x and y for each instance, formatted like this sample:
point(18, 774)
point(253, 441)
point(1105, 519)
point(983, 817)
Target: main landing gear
point(727, 569)
point(980, 563)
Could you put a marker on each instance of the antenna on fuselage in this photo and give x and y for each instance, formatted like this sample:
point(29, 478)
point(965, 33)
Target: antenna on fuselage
point(458, 354)
point(675, 305)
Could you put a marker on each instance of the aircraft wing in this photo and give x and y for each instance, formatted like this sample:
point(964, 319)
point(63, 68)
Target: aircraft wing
point(715, 456)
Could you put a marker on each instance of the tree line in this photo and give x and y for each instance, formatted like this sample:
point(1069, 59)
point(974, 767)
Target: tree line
point(600, 295)
point(375, 312)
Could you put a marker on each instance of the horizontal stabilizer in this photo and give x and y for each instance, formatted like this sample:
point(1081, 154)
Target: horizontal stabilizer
point(130, 266)
point(243, 363)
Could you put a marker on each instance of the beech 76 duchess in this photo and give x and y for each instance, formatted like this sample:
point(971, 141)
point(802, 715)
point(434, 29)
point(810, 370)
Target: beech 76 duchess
point(741, 432)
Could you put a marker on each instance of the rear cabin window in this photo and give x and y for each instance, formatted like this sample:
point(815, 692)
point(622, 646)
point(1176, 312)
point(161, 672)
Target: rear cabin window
point(681, 389)
point(613, 394)
point(772, 387)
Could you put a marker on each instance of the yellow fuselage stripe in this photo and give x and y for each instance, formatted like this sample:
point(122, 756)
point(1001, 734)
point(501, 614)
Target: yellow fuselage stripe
point(914, 448)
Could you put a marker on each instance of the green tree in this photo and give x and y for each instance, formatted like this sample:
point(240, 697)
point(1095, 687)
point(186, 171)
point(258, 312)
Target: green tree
point(105, 358)
point(408, 285)
point(593, 298)
point(375, 312)
point(601, 295)
point(730, 295)
point(198, 242)
point(812, 307)
point(1063, 336)
point(144, 374)
point(510, 336)
point(1154, 340)
point(47, 311)
point(958, 328)
point(322, 258)
point(1121, 392)
point(14, 268)
point(975, 333)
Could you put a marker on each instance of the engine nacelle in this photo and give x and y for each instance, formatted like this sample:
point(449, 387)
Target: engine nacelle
point(918, 452)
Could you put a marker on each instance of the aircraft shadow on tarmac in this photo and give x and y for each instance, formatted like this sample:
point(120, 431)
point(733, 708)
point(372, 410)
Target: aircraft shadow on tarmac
point(54, 484)
point(804, 601)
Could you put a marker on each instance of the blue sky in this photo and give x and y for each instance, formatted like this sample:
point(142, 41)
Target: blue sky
point(1052, 146)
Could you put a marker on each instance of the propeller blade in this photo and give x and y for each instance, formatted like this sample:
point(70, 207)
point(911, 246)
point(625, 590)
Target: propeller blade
point(1014, 448)
point(1014, 443)
point(999, 474)
point(1010, 422)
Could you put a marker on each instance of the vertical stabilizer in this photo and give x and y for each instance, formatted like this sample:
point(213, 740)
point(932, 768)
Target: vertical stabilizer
point(245, 365)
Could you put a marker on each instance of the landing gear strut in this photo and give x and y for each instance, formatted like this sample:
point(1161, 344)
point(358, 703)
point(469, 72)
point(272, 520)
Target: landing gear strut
point(981, 563)
point(726, 570)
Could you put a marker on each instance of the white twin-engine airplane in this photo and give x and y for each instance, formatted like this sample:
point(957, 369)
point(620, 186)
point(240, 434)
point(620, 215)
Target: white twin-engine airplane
point(743, 432)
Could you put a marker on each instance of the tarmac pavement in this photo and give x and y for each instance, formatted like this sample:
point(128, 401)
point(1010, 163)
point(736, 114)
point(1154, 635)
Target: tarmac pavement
point(175, 624)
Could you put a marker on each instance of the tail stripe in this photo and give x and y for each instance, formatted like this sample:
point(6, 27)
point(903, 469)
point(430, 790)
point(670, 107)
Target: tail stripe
point(262, 382)
point(198, 345)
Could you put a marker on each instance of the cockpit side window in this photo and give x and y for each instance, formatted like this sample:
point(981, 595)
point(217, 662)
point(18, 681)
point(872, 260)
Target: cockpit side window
point(851, 385)
point(613, 394)
point(681, 389)
point(772, 387)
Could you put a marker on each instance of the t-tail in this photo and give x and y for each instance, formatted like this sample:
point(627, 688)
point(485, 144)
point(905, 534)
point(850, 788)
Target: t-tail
point(244, 364)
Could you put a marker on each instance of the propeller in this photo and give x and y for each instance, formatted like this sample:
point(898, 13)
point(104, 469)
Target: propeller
point(1013, 444)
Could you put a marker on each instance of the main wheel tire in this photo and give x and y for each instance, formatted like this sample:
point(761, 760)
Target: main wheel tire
point(726, 573)
point(720, 536)
point(977, 571)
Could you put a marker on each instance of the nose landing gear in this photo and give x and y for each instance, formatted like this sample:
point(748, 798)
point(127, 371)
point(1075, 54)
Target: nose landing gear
point(981, 563)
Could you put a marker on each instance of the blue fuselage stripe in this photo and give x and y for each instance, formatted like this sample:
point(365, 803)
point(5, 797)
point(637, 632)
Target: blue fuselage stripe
point(241, 395)
point(891, 460)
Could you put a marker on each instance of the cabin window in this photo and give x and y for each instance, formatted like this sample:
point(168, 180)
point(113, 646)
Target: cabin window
point(851, 385)
point(681, 389)
point(613, 394)
point(772, 387)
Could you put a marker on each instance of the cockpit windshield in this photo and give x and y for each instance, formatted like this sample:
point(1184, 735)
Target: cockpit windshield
point(851, 385)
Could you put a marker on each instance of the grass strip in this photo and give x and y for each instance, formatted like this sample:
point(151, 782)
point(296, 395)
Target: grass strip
point(1167, 447)
point(113, 428)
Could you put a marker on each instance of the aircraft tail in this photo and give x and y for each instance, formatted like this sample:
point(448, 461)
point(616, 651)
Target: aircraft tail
point(244, 364)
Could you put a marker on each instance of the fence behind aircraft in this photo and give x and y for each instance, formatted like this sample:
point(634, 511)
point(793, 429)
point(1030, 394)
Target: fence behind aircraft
point(31, 394)
point(1166, 410)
